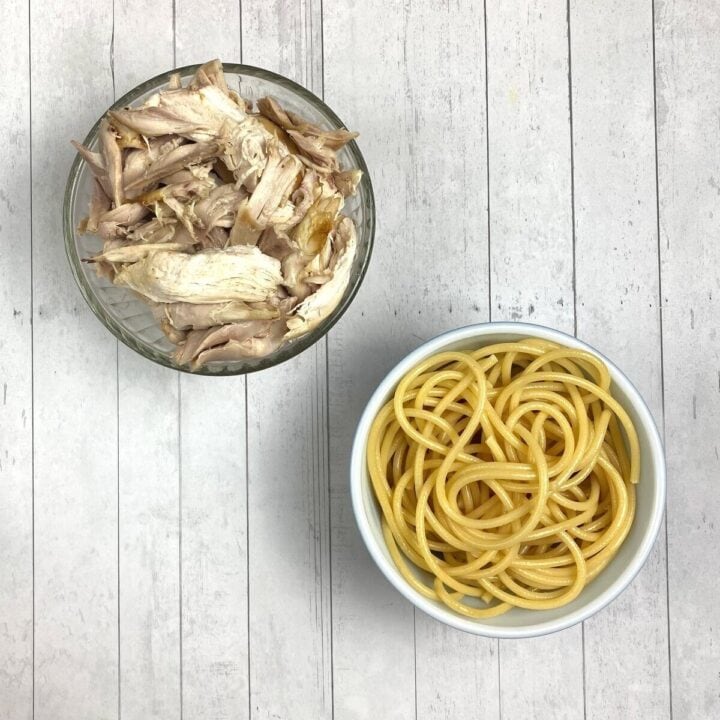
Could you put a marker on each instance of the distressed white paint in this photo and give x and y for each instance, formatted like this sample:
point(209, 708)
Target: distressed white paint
point(16, 581)
point(371, 88)
point(688, 117)
point(149, 579)
point(204, 31)
point(443, 204)
point(531, 263)
point(214, 549)
point(531, 270)
point(149, 510)
point(75, 389)
point(411, 79)
point(288, 515)
point(626, 673)
point(215, 680)
point(142, 42)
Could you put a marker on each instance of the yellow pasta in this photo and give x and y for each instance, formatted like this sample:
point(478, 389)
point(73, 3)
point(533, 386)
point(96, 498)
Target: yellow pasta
point(506, 473)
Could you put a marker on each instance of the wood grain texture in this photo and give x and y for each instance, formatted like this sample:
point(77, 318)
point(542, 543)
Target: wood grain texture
point(289, 559)
point(75, 385)
point(142, 42)
point(149, 578)
point(373, 641)
point(149, 509)
point(688, 116)
point(204, 32)
point(626, 673)
point(446, 221)
point(531, 256)
point(428, 274)
point(214, 549)
point(531, 269)
point(16, 560)
point(133, 556)
point(213, 432)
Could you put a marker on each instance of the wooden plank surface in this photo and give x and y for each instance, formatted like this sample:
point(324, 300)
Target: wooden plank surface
point(687, 57)
point(205, 32)
point(214, 550)
point(174, 546)
point(626, 673)
point(16, 516)
point(531, 270)
point(214, 543)
point(289, 558)
point(148, 496)
point(373, 626)
point(75, 389)
point(444, 206)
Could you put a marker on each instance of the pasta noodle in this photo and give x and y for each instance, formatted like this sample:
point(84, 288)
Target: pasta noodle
point(506, 473)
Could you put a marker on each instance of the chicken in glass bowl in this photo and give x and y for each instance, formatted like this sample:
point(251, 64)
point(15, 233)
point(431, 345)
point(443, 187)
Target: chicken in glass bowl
point(219, 218)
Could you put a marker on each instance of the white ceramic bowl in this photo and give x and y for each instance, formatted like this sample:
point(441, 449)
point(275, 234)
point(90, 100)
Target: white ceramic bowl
point(518, 622)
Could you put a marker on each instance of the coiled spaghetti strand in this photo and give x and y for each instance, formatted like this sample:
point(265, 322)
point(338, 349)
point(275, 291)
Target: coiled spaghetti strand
point(505, 475)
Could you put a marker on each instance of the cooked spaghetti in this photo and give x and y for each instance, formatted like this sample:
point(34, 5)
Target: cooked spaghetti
point(506, 473)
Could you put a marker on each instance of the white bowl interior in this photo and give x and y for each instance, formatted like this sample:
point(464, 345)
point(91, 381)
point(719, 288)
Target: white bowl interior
point(615, 577)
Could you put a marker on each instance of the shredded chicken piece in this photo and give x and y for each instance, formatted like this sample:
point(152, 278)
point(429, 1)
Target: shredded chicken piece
point(262, 343)
point(156, 231)
point(317, 145)
point(211, 73)
point(115, 223)
point(312, 232)
point(224, 215)
point(133, 253)
point(113, 162)
point(276, 244)
point(209, 276)
point(215, 238)
point(138, 161)
point(95, 160)
point(281, 137)
point(99, 205)
point(314, 149)
point(334, 139)
point(235, 335)
point(173, 161)
point(244, 151)
point(316, 307)
point(302, 198)
point(187, 316)
point(219, 208)
point(127, 137)
point(347, 181)
point(194, 172)
point(293, 270)
point(275, 186)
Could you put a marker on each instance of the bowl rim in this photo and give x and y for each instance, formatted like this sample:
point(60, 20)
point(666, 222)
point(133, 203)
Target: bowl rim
point(375, 545)
point(297, 345)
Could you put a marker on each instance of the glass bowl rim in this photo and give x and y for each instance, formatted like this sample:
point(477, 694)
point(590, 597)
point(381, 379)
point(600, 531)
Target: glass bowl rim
point(296, 346)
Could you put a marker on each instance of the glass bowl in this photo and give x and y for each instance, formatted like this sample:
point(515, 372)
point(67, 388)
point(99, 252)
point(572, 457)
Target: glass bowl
point(126, 315)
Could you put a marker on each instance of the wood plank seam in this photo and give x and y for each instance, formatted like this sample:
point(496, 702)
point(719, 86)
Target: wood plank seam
point(662, 355)
point(32, 341)
point(574, 272)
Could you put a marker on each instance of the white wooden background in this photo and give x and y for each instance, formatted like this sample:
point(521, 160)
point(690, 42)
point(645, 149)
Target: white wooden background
point(176, 546)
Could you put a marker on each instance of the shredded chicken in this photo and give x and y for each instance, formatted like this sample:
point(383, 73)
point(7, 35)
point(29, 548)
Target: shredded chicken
point(225, 216)
point(208, 276)
point(316, 307)
point(188, 316)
